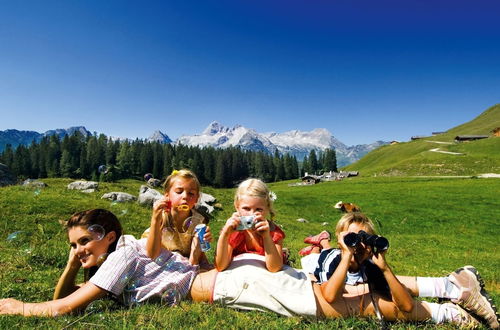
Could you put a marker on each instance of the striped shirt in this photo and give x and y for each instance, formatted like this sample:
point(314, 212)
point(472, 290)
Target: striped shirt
point(329, 260)
point(132, 277)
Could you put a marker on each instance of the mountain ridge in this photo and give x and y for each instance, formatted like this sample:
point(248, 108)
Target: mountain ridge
point(295, 142)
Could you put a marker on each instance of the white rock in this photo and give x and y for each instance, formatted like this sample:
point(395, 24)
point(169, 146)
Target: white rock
point(83, 185)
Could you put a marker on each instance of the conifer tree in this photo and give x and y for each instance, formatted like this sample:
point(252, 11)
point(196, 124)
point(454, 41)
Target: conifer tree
point(313, 162)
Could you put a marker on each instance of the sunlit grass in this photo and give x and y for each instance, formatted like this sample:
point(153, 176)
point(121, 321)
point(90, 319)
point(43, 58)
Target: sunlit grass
point(434, 226)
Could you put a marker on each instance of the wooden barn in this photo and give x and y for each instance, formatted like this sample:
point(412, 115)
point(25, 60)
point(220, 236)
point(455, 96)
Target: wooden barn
point(462, 138)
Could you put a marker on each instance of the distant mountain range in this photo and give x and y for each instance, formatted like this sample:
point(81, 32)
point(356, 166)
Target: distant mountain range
point(297, 143)
point(15, 137)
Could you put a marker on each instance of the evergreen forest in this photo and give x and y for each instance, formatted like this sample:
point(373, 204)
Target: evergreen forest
point(99, 158)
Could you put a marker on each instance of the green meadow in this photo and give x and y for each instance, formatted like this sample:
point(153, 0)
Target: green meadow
point(439, 155)
point(434, 226)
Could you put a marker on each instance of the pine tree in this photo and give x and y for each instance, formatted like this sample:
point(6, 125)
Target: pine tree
point(329, 160)
point(65, 165)
point(313, 162)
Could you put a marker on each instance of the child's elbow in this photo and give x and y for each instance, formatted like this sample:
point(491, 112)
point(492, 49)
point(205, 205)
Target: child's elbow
point(274, 268)
point(220, 267)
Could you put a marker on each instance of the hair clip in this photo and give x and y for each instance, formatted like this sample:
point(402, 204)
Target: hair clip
point(272, 196)
point(174, 172)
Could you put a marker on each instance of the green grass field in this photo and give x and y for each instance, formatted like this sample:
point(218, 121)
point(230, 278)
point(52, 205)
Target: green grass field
point(415, 158)
point(434, 226)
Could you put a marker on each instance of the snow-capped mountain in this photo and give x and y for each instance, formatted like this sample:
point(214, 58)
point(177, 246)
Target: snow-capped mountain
point(158, 136)
point(218, 136)
point(297, 143)
point(300, 143)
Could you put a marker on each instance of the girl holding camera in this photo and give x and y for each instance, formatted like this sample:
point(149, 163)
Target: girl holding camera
point(248, 230)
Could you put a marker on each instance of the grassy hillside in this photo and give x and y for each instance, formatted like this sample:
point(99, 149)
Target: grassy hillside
point(434, 226)
point(415, 157)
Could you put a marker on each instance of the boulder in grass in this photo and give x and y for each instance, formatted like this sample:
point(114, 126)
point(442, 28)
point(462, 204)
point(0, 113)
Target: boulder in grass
point(154, 182)
point(34, 183)
point(84, 186)
point(147, 196)
point(205, 202)
point(207, 198)
point(6, 176)
point(119, 197)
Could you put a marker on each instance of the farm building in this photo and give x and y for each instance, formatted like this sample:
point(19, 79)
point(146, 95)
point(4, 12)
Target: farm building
point(461, 138)
point(310, 179)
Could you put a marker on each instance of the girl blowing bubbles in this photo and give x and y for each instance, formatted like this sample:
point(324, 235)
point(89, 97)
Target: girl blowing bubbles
point(263, 237)
point(174, 217)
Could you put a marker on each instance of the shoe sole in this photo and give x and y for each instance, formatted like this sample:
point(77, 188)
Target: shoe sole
point(483, 292)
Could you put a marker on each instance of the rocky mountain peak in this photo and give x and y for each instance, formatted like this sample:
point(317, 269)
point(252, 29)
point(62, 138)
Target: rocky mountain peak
point(159, 136)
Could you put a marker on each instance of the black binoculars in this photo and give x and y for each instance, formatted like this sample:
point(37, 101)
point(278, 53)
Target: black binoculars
point(378, 243)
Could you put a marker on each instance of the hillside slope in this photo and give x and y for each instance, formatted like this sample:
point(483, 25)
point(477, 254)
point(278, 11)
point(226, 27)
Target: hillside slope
point(439, 154)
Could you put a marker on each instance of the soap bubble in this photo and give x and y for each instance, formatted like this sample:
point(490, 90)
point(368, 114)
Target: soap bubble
point(171, 296)
point(126, 278)
point(102, 169)
point(14, 236)
point(188, 222)
point(132, 286)
point(97, 232)
point(37, 192)
point(125, 211)
point(98, 306)
point(160, 260)
point(101, 259)
point(148, 176)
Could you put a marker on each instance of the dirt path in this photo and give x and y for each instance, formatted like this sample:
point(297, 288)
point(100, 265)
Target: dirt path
point(442, 151)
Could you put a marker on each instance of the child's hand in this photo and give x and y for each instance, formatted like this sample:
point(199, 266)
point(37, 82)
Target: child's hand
point(348, 250)
point(73, 260)
point(159, 207)
point(379, 260)
point(231, 223)
point(11, 306)
point(261, 225)
point(208, 235)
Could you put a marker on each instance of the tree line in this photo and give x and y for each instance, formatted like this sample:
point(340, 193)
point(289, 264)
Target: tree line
point(100, 158)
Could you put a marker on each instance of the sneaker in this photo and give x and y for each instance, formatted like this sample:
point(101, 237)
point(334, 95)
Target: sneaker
point(318, 238)
point(473, 296)
point(306, 251)
point(463, 318)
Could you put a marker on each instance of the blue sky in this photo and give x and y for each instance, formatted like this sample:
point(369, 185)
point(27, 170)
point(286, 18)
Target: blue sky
point(365, 70)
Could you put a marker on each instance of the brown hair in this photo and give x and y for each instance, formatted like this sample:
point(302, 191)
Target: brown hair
point(101, 217)
point(354, 217)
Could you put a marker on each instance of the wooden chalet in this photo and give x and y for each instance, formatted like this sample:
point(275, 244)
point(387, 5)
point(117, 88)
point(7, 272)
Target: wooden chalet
point(310, 179)
point(462, 138)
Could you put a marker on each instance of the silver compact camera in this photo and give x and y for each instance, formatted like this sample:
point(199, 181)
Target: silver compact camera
point(246, 222)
